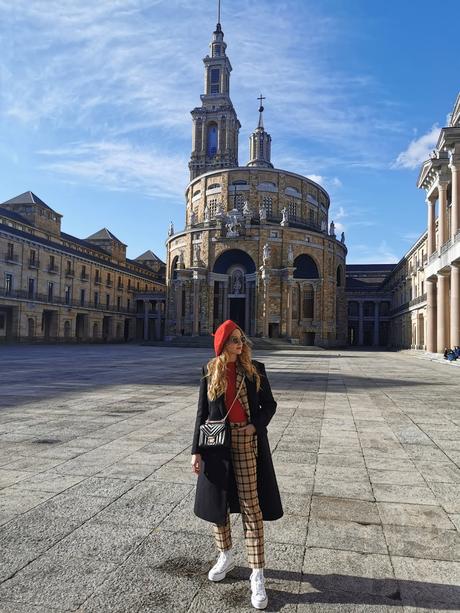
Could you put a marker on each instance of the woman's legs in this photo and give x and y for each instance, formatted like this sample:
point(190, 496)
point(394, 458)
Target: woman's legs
point(245, 468)
point(223, 535)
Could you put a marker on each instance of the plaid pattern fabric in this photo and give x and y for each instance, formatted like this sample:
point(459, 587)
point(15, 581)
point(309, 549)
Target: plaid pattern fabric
point(245, 469)
point(243, 396)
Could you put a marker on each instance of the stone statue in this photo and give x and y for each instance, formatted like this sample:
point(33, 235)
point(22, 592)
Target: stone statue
point(323, 226)
point(206, 213)
point(263, 213)
point(181, 259)
point(197, 253)
point(170, 229)
point(193, 218)
point(246, 209)
point(285, 219)
point(233, 226)
point(342, 237)
point(332, 229)
point(266, 253)
point(290, 255)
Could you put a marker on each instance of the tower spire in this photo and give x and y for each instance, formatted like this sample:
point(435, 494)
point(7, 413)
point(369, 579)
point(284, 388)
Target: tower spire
point(218, 12)
point(260, 142)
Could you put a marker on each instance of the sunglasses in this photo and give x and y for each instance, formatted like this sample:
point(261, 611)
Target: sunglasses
point(236, 340)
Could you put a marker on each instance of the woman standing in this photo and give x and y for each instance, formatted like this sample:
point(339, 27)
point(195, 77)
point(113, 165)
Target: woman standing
point(239, 479)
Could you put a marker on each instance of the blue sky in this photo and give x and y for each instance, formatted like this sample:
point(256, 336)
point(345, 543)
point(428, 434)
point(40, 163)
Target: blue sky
point(95, 103)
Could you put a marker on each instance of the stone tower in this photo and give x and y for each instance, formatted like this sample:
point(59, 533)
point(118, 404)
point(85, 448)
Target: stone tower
point(260, 143)
point(215, 123)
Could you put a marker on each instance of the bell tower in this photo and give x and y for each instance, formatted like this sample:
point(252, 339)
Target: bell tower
point(260, 143)
point(215, 124)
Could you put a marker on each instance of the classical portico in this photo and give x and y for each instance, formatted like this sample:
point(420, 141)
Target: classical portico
point(439, 177)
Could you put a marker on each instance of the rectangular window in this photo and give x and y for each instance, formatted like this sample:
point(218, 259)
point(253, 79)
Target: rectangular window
point(31, 289)
point(128, 305)
point(52, 260)
point(215, 77)
point(82, 297)
point(97, 276)
point(8, 283)
point(68, 294)
point(32, 257)
point(69, 266)
point(129, 284)
point(83, 272)
point(118, 303)
point(50, 291)
point(107, 300)
point(2, 321)
point(292, 209)
point(10, 251)
point(96, 299)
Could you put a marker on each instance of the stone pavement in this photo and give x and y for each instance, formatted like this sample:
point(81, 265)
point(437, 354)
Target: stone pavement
point(96, 490)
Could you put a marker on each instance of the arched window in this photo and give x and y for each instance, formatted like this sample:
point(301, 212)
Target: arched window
point(211, 141)
point(339, 276)
point(213, 186)
point(239, 182)
point(305, 267)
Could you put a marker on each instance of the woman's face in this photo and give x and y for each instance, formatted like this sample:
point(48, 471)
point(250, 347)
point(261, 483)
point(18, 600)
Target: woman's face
point(234, 345)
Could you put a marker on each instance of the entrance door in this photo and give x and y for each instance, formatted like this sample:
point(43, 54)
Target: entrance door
point(237, 308)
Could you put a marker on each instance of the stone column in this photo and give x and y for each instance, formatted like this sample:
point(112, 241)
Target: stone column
point(289, 309)
point(454, 305)
point(442, 223)
point(455, 221)
point(431, 308)
point(376, 339)
point(146, 320)
point(266, 285)
point(196, 306)
point(158, 320)
point(361, 323)
point(442, 324)
point(203, 136)
point(225, 305)
point(431, 226)
point(178, 285)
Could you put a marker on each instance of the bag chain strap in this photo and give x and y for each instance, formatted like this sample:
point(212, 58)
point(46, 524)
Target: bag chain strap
point(231, 406)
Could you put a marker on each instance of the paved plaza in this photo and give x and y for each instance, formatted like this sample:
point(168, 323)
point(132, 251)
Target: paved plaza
point(96, 488)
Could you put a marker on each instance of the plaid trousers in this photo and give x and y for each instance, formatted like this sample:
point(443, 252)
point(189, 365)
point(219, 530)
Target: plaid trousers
point(244, 459)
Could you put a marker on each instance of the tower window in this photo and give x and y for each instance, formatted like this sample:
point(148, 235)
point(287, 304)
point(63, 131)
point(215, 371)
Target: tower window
point(267, 202)
point(215, 77)
point(217, 49)
point(212, 140)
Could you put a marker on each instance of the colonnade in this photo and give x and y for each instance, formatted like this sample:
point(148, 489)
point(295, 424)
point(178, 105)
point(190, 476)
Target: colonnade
point(443, 309)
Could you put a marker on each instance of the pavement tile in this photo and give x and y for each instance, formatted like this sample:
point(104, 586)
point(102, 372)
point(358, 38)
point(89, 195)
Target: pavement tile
point(401, 514)
point(423, 542)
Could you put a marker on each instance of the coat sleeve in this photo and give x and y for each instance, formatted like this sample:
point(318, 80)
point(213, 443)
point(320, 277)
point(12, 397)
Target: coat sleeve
point(267, 404)
point(202, 412)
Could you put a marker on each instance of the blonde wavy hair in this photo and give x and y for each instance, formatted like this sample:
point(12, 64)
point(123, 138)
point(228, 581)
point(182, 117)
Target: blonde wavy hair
point(217, 370)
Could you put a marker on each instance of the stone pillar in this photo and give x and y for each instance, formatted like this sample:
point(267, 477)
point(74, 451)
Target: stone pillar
point(431, 226)
point(225, 305)
point(454, 305)
point(203, 136)
point(178, 285)
point(455, 221)
point(442, 223)
point(376, 339)
point(146, 320)
point(158, 320)
point(442, 324)
point(289, 309)
point(196, 307)
point(266, 285)
point(361, 323)
point(431, 308)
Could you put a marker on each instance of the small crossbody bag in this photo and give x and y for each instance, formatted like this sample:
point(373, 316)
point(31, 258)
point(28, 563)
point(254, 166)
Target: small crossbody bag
point(216, 434)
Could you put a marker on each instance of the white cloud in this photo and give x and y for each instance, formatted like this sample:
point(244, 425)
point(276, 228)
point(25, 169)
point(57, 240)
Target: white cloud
point(120, 166)
point(372, 254)
point(418, 150)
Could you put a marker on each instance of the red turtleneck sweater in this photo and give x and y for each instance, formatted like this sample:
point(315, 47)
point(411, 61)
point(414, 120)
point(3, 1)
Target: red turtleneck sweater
point(237, 413)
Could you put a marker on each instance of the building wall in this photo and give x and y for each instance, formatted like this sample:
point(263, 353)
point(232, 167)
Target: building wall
point(46, 311)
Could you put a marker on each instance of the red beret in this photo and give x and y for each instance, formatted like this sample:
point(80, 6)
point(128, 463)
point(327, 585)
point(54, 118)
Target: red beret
point(222, 333)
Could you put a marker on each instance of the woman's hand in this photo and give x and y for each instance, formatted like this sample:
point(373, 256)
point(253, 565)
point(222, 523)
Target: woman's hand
point(196, 463)
point(249, 429)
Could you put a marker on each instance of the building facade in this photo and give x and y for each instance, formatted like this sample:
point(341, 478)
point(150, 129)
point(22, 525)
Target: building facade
point(440, 178)
point(257, 245)
point(56, 287)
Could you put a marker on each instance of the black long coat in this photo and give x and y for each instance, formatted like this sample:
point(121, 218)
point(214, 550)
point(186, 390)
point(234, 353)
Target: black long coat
point(216, 488)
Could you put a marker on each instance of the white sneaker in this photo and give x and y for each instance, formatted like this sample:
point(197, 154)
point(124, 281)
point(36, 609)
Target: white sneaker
point(223, 565)
point(259, 598)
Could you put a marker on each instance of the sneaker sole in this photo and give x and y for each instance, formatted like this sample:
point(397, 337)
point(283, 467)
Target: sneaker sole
point(220, 576)
point(259, 605)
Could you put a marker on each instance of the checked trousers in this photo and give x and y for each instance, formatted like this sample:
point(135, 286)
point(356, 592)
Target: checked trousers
point(244, 462)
